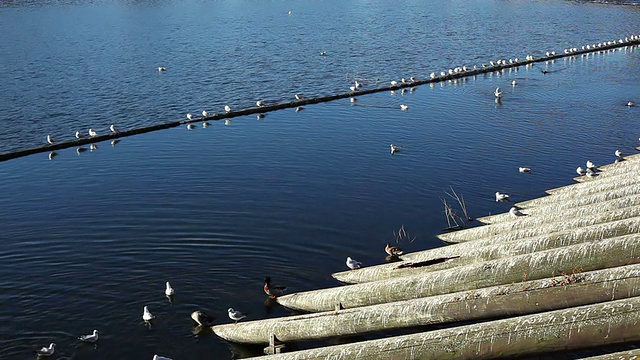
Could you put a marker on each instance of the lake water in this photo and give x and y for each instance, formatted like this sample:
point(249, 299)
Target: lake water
point(90, 238)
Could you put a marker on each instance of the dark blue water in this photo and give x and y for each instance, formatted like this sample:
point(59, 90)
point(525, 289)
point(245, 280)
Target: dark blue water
point(88, 239)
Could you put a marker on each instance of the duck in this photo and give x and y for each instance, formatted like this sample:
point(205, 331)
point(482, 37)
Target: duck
point(169, 290)
point(500, 197)
point(581, 171)
point(236, 315)
point(46, 351)
point(50, 140)
point(353, 264)
point(91, 338)
point(146, 315)
point(202, 318)
point(393, 250)
point(523, 169)
point(515, 212)
point(273, 290)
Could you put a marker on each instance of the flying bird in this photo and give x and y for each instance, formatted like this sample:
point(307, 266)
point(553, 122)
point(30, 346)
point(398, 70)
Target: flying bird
point(353, 264)
point(500, 197)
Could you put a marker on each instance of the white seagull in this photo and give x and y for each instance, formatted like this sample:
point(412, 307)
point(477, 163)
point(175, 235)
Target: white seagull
point(46, 351)
point(298, 97)
point(515, 212)
point(113, 128)
point(394, 83)
point(146, 315)
point(591, 165)
point(50, 140)
point(157, 357)
point(524, 169)
point(90, 338)
point(514, 83)
point(498, 93)
point(394, 148)
point(353, 264)
point(79, 135)
point(580, 171)
point(501, 196)
point(236, 315)
point(189, 116)
point(162, 68)
point(227, 108)
point(260, 103)
point(404, 107)
point(169, 290)
point(631, 103)
point(205, 113)
point(92, 133)
point(619, 153)
point(202, 318)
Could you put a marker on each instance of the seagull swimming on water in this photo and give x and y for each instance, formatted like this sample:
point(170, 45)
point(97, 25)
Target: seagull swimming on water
point(523, 169)
point(236, 315)
point(169, 290)
point(515, 212)
point(162, 68)
point(500, 197)
point(202, 318)
point(157, 357)
point(90, 338)
point(146, 315)
point(631, 103)
point(404, 107)
point(46, 351)
point(394, 148)
point(50, 140)
point(353, 264)
point(514, 83)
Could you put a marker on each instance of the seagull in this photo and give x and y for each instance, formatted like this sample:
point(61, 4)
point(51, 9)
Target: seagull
point(298, 97)
point(147, 316)
point(394, 148)
point(500, 197)
point(514, 83)
point(202, 318)
point(619, 153)
point(404, 107)
point(190, 126)
point(236, 315)
point(50, 140)
point(631, 103)
point(227, 108)
point(90, 338)
point(353, 264)
point(580, 171)
point(524, 169)
point(259, 103)
point(591, 172)
point(79, 135)
point(515, 212)
point(162, 68)
point(205, 124)
point(394, 83)
point(156, 357)
point(323, 53)
point(205, 113)
point(169, 290)
point(498, 93)
point(92, 133)
point(289, 12)
point(352, 88)
point(113, 128)
point(356, 84)
point(272, 290)
point(46, 351)
point(189, 116)
point(591, 165)
point(393, 250)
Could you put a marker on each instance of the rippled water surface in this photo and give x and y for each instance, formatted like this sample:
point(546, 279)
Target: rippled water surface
point(90, 237)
